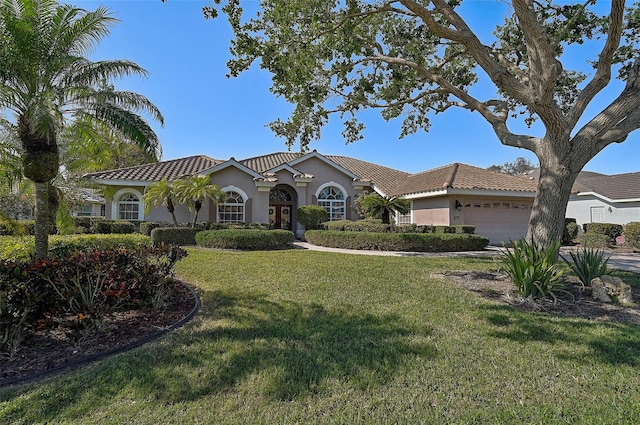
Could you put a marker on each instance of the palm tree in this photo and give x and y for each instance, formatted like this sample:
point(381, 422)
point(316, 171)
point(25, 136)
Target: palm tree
point(384, 206)
point(194, 190)
point(161, 192)
point(47, 82)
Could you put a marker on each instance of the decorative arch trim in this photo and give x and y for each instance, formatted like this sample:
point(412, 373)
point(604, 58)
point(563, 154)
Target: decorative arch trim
point(115, 203)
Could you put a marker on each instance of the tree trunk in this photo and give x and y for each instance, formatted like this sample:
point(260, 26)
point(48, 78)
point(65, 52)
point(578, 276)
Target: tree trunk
point(546, 223)
point(172, 210)
point(386, 216)
point(42, 220)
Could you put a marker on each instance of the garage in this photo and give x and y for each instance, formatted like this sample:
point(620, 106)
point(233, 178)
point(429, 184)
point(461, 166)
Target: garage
point(498, 219)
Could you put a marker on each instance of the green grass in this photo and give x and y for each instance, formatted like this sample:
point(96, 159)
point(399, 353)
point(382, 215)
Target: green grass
point(311, 337)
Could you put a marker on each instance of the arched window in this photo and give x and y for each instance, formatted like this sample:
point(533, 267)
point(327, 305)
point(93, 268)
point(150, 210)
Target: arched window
point(332, 199)
point(232, 210)
point(129, 207)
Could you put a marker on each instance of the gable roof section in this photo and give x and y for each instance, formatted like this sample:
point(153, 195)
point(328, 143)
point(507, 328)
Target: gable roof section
point(170, 170)
point(464, 177)
point(617, 187)
point(263, 163)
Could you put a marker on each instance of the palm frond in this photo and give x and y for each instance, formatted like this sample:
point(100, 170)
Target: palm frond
point(131, 125)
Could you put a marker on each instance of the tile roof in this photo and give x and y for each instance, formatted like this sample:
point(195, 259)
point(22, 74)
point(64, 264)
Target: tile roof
point(170, 170)
point(615, 187)
point(384, 178)
point(263, 163)
point(387, 180)
point(462, 176)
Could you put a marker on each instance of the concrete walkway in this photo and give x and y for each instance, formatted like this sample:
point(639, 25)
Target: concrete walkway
point(617, 260)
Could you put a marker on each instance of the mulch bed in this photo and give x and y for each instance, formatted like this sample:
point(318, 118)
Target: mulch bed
point(60, 347)
point(574, 301)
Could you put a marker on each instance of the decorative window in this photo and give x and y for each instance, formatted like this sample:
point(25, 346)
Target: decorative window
point(232, 210)
point(129, 207)
point(332, 199)
point(279, 195)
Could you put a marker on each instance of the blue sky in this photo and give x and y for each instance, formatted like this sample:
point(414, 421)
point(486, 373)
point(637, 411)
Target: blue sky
point(207, 113)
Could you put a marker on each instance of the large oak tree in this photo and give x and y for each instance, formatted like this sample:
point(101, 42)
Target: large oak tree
point(415, 58)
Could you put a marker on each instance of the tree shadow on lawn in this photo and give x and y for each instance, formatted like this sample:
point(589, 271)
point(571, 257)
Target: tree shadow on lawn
point(283, 350)
point(292, 348)
point(613, 343)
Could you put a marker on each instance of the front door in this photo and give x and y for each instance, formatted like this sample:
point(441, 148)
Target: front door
point(280, 216)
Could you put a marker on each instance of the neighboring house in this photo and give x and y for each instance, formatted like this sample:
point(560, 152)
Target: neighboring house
point(271, 187)
point(600, 198)
point(90, 204)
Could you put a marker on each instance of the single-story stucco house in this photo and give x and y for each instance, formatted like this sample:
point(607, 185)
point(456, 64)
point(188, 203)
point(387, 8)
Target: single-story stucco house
point(269, 189)
point(600, 198)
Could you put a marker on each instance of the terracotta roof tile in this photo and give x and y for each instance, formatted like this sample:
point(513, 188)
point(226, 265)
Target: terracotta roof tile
point(263, 163)
point(388, 180)
point(462, 176)
point(384, 178)
point(170, 170)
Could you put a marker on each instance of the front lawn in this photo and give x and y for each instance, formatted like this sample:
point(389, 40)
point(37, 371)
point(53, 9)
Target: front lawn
point(313, 337)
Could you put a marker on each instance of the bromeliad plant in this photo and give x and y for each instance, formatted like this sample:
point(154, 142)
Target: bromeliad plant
point(588, 264)
point(85, 285)
point(533, 268)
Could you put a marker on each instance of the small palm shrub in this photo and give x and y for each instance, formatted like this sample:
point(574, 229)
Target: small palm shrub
point(533, 268)
point(587, 264)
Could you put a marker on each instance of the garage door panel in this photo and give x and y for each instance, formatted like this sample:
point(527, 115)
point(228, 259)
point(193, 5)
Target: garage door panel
point(499, 221)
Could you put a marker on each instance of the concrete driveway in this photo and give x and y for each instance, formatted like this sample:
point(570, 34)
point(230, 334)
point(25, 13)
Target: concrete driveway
point(617, 260)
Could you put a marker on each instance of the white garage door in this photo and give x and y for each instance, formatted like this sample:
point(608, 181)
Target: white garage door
point(498, 220)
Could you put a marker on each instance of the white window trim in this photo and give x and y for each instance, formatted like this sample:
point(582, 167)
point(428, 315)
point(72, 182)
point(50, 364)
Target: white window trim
point(342, 189)
point(410, 214)
point(240, 192)
point(321, 188)
point(116, 200)
point(236, 189)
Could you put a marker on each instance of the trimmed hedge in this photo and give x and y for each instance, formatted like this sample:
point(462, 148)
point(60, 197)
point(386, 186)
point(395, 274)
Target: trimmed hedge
point(174, 235)
point(610, 229)
point(594, 240)
point(570, 231)
point(411, 242)
point(632, 234)
point(245, 239)
point(66, 245)
point(376, 226)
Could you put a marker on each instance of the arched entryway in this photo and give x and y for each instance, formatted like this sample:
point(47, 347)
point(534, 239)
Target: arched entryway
point(281, 207)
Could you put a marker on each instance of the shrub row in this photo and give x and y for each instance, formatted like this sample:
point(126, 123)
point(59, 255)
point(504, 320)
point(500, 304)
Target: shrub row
point(100, 225)
point(376, 226)
point(610, 229)
point(22, 248)
point(146, 227)
point(66, 245)
point(412, 242)
point(83, 286)
point(174, 235)
point(245, 239)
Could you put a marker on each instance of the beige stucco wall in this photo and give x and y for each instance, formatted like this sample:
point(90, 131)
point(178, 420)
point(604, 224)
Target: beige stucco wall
point(257, 201)
point(432, 211)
